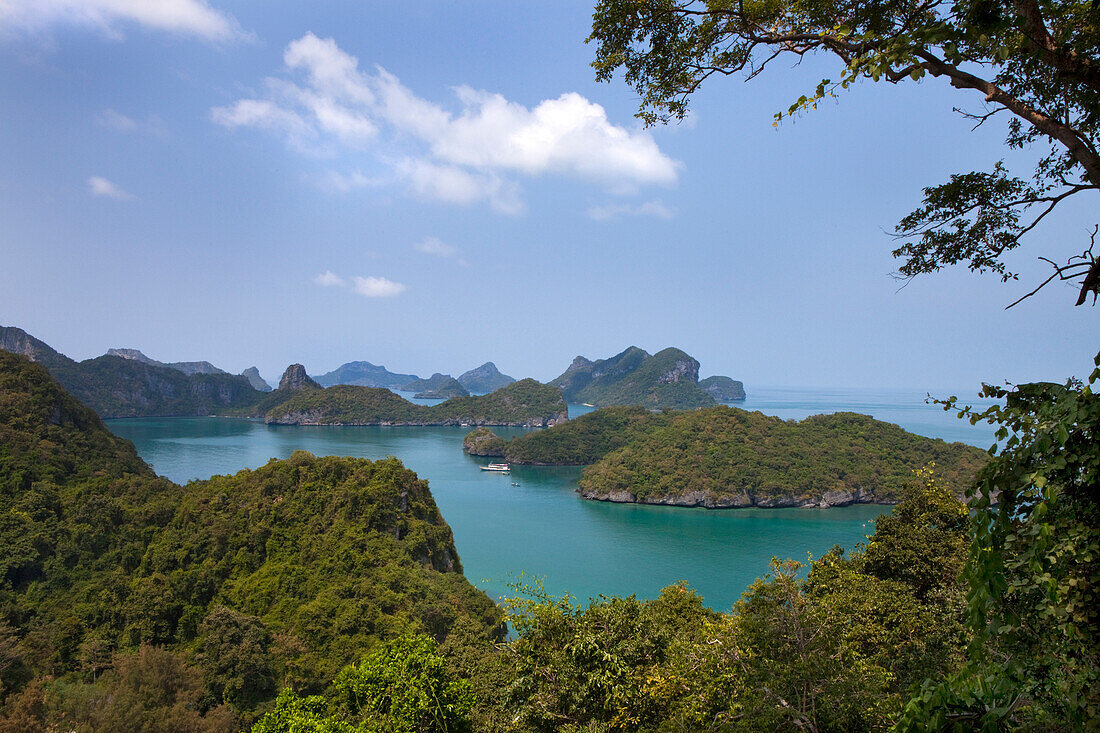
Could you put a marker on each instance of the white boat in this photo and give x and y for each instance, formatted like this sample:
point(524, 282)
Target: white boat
point(501, 467)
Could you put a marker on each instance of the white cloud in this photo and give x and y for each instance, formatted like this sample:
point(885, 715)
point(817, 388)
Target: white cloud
point(99, 186)
point(346, 182)
point(188, 17)
point(377, 287)
point(457, 185)
point(607, 212)
point(436, 247)
point(115, 120)
point(329, 279)
point(461, 157)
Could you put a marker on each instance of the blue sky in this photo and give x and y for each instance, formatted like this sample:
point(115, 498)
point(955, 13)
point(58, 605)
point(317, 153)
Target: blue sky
point(430, 185)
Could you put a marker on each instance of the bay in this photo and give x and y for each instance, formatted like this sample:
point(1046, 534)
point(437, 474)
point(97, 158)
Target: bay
point(540, 529)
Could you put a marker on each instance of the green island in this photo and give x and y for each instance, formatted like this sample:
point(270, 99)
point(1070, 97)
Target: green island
point(525, 403)
point(724, 457)
point(326, 594)
point(437, 386)
point(668, 379)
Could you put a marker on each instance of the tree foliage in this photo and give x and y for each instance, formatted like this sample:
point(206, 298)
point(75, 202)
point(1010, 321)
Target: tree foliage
point(1035, 60)
point(1034, 568)
point(837, 650)
point(276, 576)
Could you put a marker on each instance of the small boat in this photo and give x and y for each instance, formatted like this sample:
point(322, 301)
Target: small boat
point(500, 467)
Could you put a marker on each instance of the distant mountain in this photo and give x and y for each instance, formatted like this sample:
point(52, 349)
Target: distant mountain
point(667, 379)
point(437, 386)
point(187, 367)
point(486, 378)
point(525, 403)
point(116, 386)
point(723, 389)
point(18, 341)
point(252, 374)
point(365, 374)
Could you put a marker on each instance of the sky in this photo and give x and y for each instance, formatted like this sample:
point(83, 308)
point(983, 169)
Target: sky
point(430, 185)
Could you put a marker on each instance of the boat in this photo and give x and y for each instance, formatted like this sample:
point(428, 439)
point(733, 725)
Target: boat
point(500, 467)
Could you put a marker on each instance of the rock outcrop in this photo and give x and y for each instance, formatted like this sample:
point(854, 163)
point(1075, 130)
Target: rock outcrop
point(295, 378)
point(723, 389)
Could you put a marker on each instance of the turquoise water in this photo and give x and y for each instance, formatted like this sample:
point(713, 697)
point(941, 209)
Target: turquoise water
point(541, 529)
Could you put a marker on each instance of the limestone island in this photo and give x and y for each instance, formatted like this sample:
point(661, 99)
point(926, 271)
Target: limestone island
point(301, 401)
point(724, 457)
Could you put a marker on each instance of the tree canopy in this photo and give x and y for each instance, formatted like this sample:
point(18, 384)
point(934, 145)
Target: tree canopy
point(1036, 60)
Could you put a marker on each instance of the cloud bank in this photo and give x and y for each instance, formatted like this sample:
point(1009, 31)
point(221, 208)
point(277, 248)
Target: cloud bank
point(323, 102)
point(186, 17)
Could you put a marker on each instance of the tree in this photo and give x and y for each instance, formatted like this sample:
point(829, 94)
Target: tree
point(1036, 60)
point(1033, 570)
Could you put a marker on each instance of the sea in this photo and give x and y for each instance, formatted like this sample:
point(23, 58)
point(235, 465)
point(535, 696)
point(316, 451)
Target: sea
point(531, 529)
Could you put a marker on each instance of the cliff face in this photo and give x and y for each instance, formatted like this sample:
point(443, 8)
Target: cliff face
point(484, 379)
point(295, 378)
point(18, 341)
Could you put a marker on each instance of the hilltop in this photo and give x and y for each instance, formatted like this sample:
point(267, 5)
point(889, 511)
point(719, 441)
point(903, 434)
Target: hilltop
point(727, 457)
point(484, 379)
point(365, 374)
point(668, 379)
point(187, 367)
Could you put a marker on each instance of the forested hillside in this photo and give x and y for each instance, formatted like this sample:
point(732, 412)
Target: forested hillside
point(240, 584)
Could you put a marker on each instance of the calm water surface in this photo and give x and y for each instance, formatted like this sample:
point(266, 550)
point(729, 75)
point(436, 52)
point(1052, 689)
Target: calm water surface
point(541, 529)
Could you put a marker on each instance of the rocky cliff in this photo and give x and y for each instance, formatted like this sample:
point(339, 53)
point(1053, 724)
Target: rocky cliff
point(295, 378)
